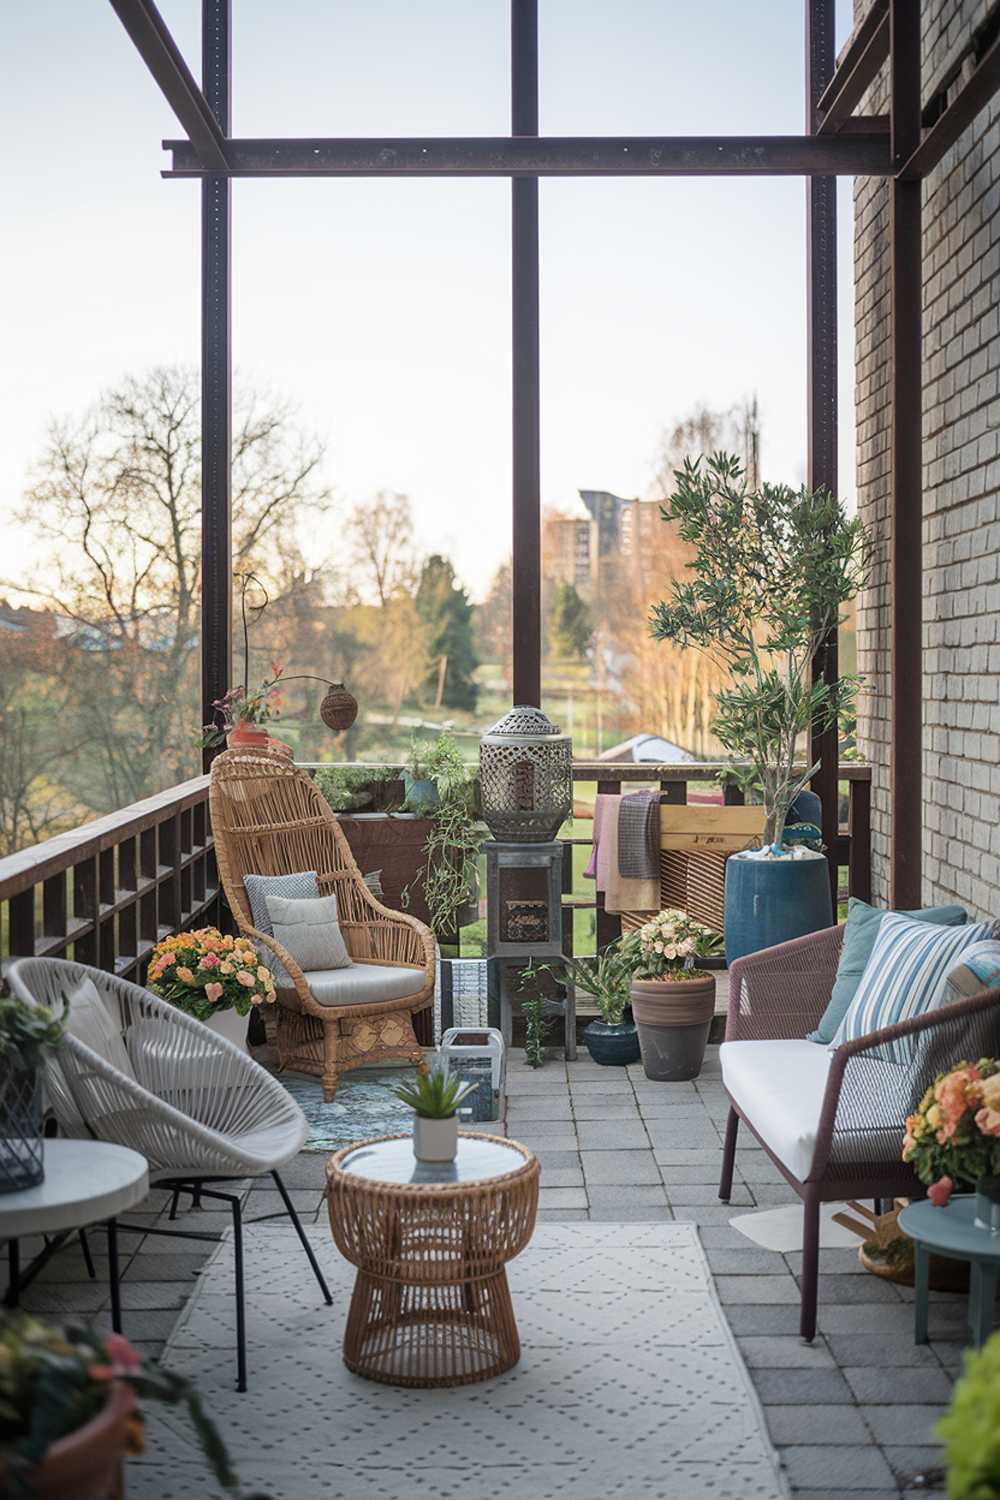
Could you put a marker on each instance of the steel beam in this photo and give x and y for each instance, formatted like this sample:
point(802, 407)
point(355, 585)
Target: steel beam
point(865, 53)
point(526, 555)
point(216, 381)
point(848, 155)
point(162, 57)
point(973, 96)
point(906, 498)
point(821, 334)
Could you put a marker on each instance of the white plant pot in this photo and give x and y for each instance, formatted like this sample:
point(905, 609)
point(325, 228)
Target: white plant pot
point(435, 1140)
point(230, 1024)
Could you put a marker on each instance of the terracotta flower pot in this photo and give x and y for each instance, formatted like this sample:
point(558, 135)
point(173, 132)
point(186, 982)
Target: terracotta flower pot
point(243, 735)
point(673, 1017)
point(87, 1464)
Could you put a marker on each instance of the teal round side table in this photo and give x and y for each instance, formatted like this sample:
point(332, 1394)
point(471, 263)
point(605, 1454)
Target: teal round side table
point(952, 1232)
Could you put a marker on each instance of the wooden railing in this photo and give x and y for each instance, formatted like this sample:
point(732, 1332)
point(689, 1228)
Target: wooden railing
point(106, 893)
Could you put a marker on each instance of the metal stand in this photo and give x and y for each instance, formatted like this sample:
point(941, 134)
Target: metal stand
point(524, 890)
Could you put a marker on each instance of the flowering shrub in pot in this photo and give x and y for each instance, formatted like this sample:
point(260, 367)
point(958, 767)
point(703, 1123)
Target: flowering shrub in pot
point(672, 1001)
point(69, 1412)
point(216, 979)
point(953, 1137)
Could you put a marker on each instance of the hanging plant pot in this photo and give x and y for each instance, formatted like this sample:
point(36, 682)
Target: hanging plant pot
point(22, 1149)
point(244, 735)
point(612, 1046)
point(339, 708)
point(673, 1018)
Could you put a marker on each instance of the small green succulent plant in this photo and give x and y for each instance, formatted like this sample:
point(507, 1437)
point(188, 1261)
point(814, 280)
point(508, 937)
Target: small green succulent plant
point(434, 1095)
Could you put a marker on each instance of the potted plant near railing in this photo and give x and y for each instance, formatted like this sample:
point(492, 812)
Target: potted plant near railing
point(772, 569)
point(673, 1001)
point(218, 980)
point(607, 977)
point(69, 1414)
point(26, 1033)
point(450, 873)
point(434, 1098)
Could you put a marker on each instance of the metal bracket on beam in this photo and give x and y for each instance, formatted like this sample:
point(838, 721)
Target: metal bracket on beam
point(866, 52)
point(850, 155)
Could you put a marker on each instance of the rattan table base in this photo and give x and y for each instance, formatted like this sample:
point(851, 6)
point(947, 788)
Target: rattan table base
point(431, 1305)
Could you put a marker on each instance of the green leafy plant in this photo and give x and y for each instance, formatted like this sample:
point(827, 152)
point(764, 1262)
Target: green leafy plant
point(452, 847)
point(434, 1095)
point(28, 1031)
point(537, 1026)
point(667, 946)
point(348, 787)
point(607, 978)
point(970, 1428)
point(772, 568)
point(54, 1381)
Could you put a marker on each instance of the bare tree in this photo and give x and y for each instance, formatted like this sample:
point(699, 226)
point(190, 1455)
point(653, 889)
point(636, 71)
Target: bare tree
point(117, 499)
point(382, 546)
point(735, 429)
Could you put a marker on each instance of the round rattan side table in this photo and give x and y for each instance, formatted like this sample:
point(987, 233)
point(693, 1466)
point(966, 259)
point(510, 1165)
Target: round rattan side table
point(431, 1304)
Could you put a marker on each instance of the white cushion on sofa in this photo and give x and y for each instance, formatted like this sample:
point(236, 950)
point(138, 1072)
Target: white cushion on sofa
point(778, 1087)
point(364, 984)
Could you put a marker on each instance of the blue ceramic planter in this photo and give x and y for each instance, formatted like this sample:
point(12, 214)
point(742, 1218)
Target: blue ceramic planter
point(612, 1046)
point(770, 901)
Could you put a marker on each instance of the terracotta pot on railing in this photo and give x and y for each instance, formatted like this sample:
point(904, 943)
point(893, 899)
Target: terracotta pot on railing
point(87, 1464)
point(673, 1017)
point(244, 735)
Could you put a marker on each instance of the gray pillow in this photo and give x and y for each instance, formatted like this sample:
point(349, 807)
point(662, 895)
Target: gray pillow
point(310, 932)
point(258, 888)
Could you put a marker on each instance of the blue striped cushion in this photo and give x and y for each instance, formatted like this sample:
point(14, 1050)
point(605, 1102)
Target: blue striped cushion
point(978, 971)
point(906, 976)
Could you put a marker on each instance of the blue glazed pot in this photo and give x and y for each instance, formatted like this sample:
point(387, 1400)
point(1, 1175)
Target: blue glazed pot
point(612, 1046)
point(770, 901)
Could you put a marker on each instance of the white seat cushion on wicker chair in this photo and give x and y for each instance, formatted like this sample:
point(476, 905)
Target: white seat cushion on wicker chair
point(364, 984)
point(778, 1087)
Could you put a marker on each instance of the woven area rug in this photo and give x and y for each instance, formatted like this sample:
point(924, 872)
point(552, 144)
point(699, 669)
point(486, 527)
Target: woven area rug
point(363, 1107)
point(630, 1384)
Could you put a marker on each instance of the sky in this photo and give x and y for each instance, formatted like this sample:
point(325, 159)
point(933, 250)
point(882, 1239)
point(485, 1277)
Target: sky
point(382, 309)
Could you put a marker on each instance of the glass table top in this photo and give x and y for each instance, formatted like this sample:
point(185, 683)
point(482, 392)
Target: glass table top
point(394, 1161)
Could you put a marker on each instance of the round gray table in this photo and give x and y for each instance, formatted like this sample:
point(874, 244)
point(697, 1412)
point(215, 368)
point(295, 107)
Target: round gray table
point(952, 1232)
point(85, 1182)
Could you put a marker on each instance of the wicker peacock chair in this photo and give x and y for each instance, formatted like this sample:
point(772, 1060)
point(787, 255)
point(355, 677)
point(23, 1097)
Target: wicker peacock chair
point(268, 818)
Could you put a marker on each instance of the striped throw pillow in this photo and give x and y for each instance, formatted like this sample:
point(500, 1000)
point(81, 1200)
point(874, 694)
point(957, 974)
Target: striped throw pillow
point(978, 971)
point(906, 976)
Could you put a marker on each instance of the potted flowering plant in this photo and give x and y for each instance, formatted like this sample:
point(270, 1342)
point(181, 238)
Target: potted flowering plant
point(953, 1137)
point(241, 714)
point(673, 1002)
point(68, 1412)
point(216, 979)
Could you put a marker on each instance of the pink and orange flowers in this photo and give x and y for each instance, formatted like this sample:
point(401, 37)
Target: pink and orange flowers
point(203, 972)
point(954, 1135)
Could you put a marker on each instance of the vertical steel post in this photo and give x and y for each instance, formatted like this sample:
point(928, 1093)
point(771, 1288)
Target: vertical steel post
point(527, 534)
point(821, 326)
point(216, 379)
point(906, 498)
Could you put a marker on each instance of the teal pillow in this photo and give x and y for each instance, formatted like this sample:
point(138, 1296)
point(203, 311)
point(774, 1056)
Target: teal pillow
point(863, 923)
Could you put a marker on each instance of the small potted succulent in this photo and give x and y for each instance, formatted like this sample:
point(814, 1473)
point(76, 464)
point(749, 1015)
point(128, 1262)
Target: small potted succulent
point(68, 1412)
point(434, 1098)
point(672, 1001)
point(216, 979)
point(613, 1040)
point(26, 1031)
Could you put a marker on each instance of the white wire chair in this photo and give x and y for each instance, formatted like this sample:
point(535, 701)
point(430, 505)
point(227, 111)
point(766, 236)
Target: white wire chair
point(198, 1108)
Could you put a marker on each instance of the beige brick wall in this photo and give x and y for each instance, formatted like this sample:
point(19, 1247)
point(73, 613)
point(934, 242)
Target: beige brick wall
point(961, 423)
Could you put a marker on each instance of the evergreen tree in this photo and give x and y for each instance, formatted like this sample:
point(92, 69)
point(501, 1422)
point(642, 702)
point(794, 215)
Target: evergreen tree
point(570, 628)
point(444, 607)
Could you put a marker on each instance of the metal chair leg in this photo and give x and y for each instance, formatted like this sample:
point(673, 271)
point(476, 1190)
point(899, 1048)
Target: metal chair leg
point(304, 1238)
point(88, 1259)
point(14, 1273)
point(175, 1200)
point(729, 1156)
point(241, 1324)
point(116, 1291)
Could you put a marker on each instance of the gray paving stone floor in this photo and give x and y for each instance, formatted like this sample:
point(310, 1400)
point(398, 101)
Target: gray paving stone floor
point(852, 1415)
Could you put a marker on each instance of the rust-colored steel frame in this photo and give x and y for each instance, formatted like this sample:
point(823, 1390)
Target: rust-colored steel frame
point(836, 143)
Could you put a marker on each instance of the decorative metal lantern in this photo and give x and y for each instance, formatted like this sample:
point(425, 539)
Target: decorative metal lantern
point(339, 708)
point(477, 1056)
point(525, 777)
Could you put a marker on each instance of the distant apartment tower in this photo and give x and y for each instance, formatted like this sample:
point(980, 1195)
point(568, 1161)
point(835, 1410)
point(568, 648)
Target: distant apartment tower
point(579, 548)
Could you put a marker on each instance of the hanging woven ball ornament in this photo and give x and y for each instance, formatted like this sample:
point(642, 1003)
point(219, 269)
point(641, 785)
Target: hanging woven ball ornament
point(339, 708)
